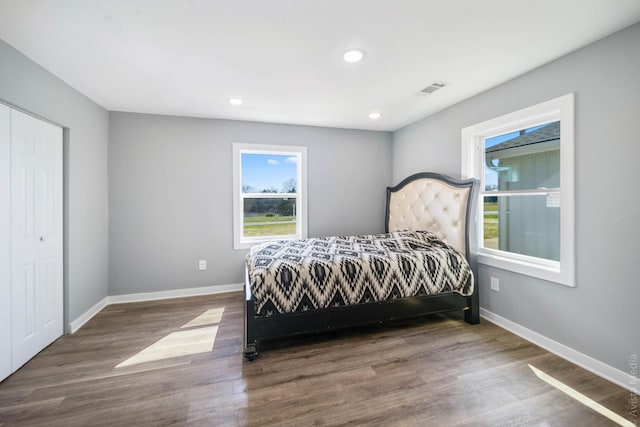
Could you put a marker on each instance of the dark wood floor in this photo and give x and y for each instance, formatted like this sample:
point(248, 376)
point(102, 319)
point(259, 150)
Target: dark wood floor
point(438, 371)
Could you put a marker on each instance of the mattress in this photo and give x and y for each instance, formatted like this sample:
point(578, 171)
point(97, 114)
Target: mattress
point(287, 276)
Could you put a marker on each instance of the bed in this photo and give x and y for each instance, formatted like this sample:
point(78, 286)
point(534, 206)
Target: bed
point(424, 263)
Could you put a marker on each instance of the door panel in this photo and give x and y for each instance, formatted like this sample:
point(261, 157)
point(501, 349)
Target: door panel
point(36, 215)
point(26, 187)
point(28, 301)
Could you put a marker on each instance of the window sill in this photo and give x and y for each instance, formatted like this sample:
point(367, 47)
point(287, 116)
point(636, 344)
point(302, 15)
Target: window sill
point(247, 244)
point(545, 270)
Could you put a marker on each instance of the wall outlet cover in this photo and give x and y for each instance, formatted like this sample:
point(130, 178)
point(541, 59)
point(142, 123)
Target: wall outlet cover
point(495, 284)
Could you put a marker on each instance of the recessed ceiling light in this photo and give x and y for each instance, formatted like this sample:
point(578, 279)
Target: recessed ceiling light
point(353, 55)
point(375, 115)
point(235, 101)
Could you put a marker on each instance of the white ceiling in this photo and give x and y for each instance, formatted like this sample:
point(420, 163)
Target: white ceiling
point(284, 57)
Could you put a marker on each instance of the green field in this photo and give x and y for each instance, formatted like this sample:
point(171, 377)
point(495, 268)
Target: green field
point(491, 206)
point(490, 230)
point(269, 224)
point(491, 225)
point(270, 229)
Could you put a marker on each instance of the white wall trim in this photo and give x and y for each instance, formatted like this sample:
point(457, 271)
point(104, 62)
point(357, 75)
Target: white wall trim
point(87, 315)
point(616, 376)
point(241, 242)
point(472, 166)
point(176, 293)
point(150, 296)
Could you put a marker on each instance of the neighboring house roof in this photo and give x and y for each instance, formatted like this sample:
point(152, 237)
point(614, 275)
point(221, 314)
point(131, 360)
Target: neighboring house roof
point(548, 133)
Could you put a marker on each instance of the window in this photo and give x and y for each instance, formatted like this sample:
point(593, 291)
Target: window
point(524, 161)
point(269, 193)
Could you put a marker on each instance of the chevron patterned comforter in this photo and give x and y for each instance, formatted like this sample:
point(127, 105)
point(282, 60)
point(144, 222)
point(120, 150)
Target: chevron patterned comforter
point(288, 276)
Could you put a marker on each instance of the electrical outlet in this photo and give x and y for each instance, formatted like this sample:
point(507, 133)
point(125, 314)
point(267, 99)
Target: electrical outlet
point(495, 284)
point(202, 264)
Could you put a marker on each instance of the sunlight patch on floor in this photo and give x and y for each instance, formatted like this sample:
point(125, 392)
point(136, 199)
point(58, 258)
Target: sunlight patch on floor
point(182, 343)
point(198, 339)
point(209, 317)
point(581, 398)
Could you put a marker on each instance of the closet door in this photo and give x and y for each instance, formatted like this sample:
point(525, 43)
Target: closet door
point(36, 236)
point(5, 241)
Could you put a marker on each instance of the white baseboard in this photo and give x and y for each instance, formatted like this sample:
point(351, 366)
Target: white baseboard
point(87, 315)
point(616, 376)
point(176, 293)
point(150, 296)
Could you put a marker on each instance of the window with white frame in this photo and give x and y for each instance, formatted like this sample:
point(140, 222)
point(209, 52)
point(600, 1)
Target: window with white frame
point(525, 163)
point(269, 193)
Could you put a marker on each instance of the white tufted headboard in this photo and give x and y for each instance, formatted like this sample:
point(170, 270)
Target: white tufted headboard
point(436, 203)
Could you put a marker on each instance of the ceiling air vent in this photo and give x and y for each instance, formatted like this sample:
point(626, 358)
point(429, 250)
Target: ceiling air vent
point(432, 88)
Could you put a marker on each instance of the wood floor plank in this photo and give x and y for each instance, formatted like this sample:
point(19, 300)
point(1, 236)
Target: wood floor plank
point(435, 371)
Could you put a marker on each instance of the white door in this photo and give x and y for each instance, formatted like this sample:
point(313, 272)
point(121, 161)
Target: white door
point(5, 241)
point(36, 236)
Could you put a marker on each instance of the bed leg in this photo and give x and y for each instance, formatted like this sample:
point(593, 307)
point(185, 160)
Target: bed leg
point(472, 314)
point(250, 349)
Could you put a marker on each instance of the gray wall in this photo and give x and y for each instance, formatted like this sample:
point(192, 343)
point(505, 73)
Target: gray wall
point(599, 317)
point(170, 194)
point(30, 87)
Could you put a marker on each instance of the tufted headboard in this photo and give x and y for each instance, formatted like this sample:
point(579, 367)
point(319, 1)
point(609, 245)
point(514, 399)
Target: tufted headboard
point(436, 203)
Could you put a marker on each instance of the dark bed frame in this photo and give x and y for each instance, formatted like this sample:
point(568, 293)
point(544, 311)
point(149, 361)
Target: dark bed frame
point(279, 325)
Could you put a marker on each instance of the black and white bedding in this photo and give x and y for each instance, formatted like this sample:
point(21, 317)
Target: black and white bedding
point(287, 276)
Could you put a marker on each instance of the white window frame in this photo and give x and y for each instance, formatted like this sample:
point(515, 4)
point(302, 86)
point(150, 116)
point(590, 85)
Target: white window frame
point(241, 242)
point(558, 109)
